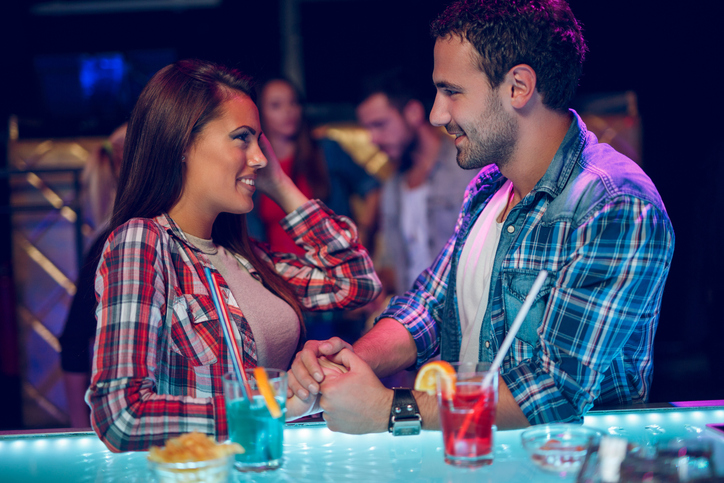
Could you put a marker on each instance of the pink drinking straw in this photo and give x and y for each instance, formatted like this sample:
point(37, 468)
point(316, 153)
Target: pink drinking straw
point(236, 357)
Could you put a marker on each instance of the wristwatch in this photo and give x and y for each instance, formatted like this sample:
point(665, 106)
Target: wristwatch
point(405, 419)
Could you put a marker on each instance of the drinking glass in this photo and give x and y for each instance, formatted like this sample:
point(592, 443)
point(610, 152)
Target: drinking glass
point(467, 415)
point(252, 425)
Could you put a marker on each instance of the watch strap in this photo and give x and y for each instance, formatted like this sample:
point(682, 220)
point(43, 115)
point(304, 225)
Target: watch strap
point(405, 419)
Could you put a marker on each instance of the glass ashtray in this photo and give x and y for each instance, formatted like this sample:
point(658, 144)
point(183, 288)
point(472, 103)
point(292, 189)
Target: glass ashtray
point(209, 471)
point(559, 448)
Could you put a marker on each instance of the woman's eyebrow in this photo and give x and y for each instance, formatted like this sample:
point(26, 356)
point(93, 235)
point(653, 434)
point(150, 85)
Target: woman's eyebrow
point(248, 128)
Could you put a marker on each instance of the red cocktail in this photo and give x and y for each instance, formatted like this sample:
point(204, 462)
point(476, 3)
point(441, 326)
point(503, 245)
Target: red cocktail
point(467, 417)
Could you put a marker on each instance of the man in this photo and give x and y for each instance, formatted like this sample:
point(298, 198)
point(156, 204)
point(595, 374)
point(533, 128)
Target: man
point(420, 202)
point(549, 197)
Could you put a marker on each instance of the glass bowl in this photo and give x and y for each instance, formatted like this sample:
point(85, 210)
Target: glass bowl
point(209, 471)
point(559, 448)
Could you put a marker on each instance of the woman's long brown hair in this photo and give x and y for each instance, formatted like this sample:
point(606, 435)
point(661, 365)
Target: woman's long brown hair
point(173, 108)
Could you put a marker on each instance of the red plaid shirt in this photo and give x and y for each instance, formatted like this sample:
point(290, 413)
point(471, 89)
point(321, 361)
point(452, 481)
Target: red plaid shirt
point(159, 350)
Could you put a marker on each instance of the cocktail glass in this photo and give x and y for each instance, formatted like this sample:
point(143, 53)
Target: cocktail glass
point(251, 423)
point(467, 415)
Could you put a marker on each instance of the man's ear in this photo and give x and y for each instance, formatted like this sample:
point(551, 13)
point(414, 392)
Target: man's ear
point(521, 82)
point(414, 113)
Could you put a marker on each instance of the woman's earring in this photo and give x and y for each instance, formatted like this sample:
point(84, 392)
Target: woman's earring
point(183, 159)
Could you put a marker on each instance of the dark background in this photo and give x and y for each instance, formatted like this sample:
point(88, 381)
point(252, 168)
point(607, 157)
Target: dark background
point(668, 55)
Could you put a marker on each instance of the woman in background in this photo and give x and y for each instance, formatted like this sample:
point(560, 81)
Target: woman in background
point(195, 154)
point(99, 181)
point(321, 170)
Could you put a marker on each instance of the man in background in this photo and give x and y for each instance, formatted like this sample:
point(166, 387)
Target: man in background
point(420, 202)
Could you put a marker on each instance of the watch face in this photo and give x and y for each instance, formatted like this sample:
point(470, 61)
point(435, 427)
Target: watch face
point(406, 428)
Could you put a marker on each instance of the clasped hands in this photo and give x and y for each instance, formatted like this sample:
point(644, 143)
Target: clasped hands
point(348, 391)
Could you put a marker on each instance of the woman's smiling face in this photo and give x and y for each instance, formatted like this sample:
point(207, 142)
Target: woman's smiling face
point(220, 166)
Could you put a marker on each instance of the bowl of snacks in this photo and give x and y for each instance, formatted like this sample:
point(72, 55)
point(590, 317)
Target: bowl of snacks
point(191, 458)
point(559, 448)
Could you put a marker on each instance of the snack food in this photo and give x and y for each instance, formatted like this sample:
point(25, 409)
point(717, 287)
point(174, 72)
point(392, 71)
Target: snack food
point(193, 446)
point(192, 457)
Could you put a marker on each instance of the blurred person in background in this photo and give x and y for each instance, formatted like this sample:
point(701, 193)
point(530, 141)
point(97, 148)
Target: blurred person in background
point(323, 170)
point(99, 182)
point(420, 202)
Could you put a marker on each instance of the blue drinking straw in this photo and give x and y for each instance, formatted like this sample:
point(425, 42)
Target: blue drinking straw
point(233, 347)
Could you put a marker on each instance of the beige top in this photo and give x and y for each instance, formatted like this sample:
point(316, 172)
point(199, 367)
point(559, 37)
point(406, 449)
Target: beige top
point(273, 322)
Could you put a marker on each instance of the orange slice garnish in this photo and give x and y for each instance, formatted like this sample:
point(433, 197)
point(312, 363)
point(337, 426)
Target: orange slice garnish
point(430, 373)
point(267, 392)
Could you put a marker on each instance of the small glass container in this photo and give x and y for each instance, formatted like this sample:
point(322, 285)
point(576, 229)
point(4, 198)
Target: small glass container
point(559, 448)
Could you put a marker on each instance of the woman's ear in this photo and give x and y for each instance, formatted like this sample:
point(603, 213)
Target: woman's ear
point(522, 81)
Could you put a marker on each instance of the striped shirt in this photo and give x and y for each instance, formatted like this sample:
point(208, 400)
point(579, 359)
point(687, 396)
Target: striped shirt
point(596, 223)
point(159, 350)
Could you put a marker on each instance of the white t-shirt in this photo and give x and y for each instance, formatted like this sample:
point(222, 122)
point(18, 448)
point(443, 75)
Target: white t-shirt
point(413, 216)
point(475, 269)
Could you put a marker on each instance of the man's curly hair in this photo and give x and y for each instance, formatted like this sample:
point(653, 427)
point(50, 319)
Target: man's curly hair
point(543, 34)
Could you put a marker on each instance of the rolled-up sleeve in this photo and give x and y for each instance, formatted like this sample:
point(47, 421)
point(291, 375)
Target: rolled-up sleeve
point(336, 271)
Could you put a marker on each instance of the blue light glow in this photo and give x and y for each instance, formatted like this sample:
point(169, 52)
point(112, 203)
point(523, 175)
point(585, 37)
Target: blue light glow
point(101, 73)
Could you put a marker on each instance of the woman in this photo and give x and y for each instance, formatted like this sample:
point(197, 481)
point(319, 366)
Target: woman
point(194, 156)
point(321, 170)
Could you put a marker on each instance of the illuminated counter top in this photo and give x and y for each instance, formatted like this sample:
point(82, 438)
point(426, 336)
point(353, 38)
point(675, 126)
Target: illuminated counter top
point(312, 453)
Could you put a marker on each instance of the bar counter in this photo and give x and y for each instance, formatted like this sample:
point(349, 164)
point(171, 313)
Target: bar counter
point(312, 453)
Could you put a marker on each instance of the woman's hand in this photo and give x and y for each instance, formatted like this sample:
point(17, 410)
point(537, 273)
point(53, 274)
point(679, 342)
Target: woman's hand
point(274, 182)
point(297, 407)
point(307, 370)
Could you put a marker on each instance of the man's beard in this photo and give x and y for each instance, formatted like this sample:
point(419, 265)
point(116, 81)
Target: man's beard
point(492, 139)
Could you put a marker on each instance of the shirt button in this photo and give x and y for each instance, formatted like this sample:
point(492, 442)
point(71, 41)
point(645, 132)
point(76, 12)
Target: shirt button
point(487, 344)
point(511, 228)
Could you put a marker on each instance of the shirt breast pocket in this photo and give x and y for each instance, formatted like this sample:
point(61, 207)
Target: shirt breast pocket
point(516, 286)
point(195, 330)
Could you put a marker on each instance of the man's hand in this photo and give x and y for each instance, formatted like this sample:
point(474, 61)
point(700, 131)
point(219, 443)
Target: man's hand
point(306, 372)
point(355, 402)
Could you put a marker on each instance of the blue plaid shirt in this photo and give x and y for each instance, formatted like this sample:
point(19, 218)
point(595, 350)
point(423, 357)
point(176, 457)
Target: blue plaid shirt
point(597, 224)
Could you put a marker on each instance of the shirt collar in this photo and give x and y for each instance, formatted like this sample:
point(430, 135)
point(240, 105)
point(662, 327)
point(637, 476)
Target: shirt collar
point(174, 230)
point(565, 159)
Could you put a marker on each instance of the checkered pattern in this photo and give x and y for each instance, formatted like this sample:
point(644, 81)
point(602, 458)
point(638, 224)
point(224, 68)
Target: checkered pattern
point(596, 223)
point(159, 351)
